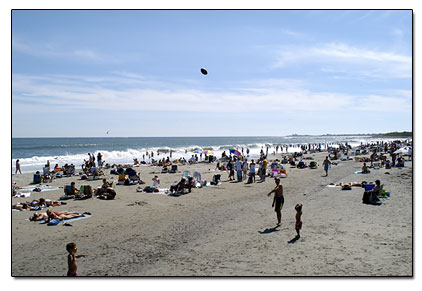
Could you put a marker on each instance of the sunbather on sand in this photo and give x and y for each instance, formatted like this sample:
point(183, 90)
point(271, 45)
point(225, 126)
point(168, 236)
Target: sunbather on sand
point(49, 203)
point(38, 216)
point(21, 206)
point(62, 215)
point(352, 184)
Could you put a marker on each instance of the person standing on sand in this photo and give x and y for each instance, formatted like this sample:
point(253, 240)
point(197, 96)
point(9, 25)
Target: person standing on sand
point(99, 159)
point(326, 164)
point(239, 171)
point(298, 225)
point(71, 260)
point(263, 167)
point(230, 169)
point(252, 170)
point(278, 199)
point(18, 167)
point(245, 168)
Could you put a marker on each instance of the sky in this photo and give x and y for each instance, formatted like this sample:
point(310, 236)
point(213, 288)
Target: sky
point(89, 73)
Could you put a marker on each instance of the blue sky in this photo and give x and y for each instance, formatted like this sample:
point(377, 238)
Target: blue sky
point(271, 72)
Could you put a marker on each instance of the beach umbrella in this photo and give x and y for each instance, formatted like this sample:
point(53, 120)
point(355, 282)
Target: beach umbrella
point(197, 152)
point(208, 152)
point(235, 152)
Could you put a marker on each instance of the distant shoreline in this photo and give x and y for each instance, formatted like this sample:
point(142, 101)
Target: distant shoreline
point(388, 134)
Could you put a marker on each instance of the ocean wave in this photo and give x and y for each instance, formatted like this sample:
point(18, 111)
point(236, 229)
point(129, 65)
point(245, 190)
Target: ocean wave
point(41, 147)
point(126, 155)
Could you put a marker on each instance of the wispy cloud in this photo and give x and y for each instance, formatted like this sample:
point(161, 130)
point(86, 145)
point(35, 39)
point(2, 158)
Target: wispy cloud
point(387, 104)
point(354, 60)
point(71, 93)
point(50, 50)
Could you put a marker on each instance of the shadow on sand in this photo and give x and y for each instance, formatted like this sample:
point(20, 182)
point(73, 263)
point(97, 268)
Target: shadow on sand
point(269, 230)
point(293, 240)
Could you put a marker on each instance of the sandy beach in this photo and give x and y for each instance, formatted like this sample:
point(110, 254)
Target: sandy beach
point(226, 230)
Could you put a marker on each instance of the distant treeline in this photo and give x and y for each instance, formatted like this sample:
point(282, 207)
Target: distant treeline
point(396, 134)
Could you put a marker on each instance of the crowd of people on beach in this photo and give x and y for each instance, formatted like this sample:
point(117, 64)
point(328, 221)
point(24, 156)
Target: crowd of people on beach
point(237, 166)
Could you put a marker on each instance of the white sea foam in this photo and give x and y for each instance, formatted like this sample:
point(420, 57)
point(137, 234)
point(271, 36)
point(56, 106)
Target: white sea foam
point(36, 163)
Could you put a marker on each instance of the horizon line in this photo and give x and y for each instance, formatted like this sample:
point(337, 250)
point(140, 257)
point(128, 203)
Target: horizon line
point(289, 135)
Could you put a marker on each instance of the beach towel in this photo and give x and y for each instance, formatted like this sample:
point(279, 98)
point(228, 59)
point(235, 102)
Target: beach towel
point(40, 188)
point(163, 191)
point(359, 172)
point(57, 222)
point(22, 195)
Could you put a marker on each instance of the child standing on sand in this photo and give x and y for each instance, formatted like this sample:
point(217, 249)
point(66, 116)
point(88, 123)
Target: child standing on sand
point(298, 225)
point(71, 259)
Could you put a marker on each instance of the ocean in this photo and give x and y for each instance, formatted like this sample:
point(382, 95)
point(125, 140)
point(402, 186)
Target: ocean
point(33, 153)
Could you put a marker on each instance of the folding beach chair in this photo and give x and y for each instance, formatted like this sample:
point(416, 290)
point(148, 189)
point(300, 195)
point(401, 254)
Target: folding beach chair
point(197, 176)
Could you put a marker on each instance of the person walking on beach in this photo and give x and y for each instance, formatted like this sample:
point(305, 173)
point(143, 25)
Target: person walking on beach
point(326, 164)
point(71, 260)
point(278, 200)
point(18, 167)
